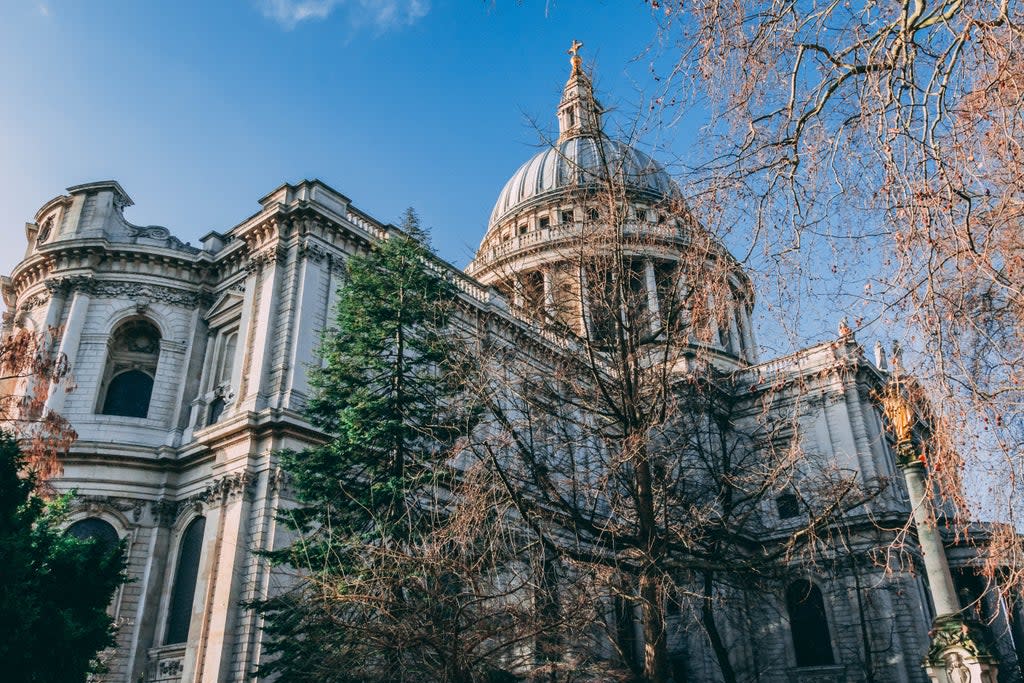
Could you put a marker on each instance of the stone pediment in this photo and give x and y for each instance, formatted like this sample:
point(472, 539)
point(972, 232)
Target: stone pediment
point(227, 306)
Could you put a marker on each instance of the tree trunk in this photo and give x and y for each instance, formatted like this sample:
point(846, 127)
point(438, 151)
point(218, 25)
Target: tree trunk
point(653, 616)
point(707, 612)
point(652, 613)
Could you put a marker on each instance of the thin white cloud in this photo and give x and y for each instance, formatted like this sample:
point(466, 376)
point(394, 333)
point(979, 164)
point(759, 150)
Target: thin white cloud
point(43, 9)
point(379, 15)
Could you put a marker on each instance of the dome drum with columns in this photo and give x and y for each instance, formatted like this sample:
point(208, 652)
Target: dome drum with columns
point(567, 210)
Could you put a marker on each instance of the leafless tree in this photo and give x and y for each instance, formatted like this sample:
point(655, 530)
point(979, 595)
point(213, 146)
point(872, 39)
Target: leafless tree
point(627, 446)
point(460, 604)
point(881, 140)
point(29, 369)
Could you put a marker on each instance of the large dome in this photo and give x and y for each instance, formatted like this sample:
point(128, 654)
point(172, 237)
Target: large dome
point(576, 163)
point(589, 212)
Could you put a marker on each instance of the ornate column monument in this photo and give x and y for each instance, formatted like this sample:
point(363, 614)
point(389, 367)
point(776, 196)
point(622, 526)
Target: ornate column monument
point(958, 653)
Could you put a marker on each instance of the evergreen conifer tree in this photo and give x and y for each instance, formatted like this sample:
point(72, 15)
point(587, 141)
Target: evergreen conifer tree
point(371, 601)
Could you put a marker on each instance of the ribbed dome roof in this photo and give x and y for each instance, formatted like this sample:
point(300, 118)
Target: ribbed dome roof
point(577, 162)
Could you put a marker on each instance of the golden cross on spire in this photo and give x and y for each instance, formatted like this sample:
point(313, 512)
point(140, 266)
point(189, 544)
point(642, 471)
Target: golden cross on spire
point(575, 59)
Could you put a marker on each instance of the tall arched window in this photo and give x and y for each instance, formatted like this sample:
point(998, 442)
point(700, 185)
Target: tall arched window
point(227, 358)
point(809, 625)
point(132, 355)
point(183, 592)
point(96, 529)
point(222, 370)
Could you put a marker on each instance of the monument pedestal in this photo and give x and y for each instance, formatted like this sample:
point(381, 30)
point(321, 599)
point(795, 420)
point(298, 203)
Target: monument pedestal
point(958, 653)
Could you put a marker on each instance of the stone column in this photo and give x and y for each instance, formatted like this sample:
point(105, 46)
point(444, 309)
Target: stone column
point(169, 368)
point(225, 584)
point(549, 293)
point(957, 653)
point(940, 581)
point(305, 329)
point(716, 336)
point(734, 333)
point(56, 305)
point(518, 299)
point(748, 333)
point(685, 318)
point(653, 307)
point(54, 311)
point(584, 304)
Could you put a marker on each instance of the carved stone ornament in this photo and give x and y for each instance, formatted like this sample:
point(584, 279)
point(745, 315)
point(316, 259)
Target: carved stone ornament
point(228, 488)
point(956, 634)
point(279, 480)
point(137, 291)
point(170, 667)
point(97, 504)
point(313, 251)
point(44, 230)
point(34, 301)
point(164, 511)
point(268, 256)
point(57, 287)
point(120, 202)
point(338, 266)
point(222, 490)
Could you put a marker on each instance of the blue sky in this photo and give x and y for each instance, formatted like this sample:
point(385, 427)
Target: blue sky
point(200, 108)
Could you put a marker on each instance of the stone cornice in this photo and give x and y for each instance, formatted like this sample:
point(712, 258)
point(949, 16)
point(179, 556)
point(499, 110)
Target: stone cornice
point(843, 357)
point(73, 258)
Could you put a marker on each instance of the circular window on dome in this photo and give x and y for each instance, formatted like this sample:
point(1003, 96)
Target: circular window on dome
point(44, 230)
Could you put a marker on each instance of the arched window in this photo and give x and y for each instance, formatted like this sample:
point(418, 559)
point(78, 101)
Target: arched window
point(128, 394)
point(183, 592)
point(132, 355)
point(95, 529)
point(809, 625)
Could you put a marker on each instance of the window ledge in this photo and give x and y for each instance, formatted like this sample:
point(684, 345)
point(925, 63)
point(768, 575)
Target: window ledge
point(126, 420)
point(833, 673)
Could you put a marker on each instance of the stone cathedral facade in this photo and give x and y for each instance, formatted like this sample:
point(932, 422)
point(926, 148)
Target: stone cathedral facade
point(190, 365)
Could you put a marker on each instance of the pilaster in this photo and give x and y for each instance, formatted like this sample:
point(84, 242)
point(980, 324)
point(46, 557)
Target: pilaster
point(69, 343)
point(260, 333)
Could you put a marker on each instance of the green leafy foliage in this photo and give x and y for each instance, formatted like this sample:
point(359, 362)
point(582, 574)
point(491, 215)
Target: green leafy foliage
point(54, 588)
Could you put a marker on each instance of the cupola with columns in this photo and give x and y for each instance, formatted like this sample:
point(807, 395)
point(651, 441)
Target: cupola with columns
point(587, 196)
point(579, 113)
